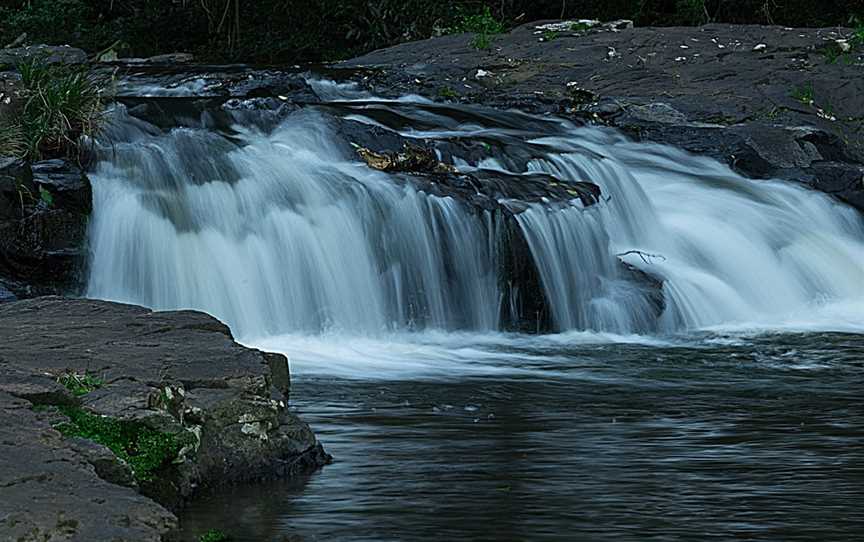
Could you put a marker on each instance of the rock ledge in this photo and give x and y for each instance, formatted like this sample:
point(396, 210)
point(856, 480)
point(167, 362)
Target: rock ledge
point(177, 374)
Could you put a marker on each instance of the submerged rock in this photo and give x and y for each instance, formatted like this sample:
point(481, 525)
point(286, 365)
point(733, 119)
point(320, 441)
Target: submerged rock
point(175, 374)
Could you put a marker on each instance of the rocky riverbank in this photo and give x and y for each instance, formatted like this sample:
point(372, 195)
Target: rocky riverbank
point(115, 415)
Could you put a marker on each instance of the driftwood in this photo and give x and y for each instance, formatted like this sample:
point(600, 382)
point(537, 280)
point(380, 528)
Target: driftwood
point(17, 41)
point(643, 255)
point(411, 159)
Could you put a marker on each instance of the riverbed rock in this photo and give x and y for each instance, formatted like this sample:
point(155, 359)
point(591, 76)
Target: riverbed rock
point(767, 100)
point(177, 373)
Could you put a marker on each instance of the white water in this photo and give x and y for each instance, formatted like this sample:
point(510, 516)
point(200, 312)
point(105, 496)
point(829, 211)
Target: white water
point(301, 248)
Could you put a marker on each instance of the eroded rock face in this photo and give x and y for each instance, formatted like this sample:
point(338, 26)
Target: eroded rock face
point(178, 373)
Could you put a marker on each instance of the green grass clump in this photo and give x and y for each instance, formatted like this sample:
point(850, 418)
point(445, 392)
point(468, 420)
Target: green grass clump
point(447, 93)
point(806, 95)
point(214, 535)
point(143, 448)
point(78, 384)
point(57, 104)
point(478, 23)
point(483, 25)
point(482, 42)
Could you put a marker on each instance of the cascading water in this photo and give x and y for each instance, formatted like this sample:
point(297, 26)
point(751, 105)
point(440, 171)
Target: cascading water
point(286, 231)
point(658, 399)
point(283, 233)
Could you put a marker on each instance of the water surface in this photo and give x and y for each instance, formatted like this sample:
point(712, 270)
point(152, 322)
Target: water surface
point(714, 436)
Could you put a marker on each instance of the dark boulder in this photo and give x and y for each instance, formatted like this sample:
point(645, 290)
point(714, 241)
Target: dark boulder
point(16, 187)
point(69, 187)
point(43, 226)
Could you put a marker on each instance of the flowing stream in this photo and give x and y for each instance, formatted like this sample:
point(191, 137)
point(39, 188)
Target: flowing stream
point(735, 410)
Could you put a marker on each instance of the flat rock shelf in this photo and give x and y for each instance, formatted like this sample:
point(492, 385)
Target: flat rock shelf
point(85, 383)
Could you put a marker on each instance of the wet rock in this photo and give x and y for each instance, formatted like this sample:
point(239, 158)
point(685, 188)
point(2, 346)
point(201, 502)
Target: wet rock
point(46, 53)
point(16, 187)
point(44, 211)
point(171, 58)
point(6, 296)
point(178, 373)
point(727, 91)
point(69, 187)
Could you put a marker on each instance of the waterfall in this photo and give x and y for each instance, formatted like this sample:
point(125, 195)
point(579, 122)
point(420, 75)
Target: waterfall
point(283, 232)
point(286, 231)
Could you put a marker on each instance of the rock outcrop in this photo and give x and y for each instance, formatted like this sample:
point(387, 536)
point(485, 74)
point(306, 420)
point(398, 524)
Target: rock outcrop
point(169, 402)
point(771, 102)
point(44, 211)
point(44, 53)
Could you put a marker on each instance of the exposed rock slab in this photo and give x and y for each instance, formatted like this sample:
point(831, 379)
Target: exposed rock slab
point(767, 100)
point(175, 372)
point(45, 53)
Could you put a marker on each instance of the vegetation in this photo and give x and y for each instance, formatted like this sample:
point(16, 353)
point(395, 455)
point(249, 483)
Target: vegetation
point(295, 31)
point(214, 535)
point(144, 449)
point(483, 25)
point(806, 95)
point(58, 104)
point(78, 384)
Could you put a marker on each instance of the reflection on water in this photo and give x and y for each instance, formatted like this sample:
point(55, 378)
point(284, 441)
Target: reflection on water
point(720, 437)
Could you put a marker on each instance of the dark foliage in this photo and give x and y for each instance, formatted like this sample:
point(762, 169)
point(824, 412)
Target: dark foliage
point(267, 31)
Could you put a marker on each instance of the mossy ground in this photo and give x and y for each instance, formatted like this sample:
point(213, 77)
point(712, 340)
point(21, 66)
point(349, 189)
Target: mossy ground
point(144, 449)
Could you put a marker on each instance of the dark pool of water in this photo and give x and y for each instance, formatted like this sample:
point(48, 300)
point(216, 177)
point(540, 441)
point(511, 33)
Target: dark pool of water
point(758, 438)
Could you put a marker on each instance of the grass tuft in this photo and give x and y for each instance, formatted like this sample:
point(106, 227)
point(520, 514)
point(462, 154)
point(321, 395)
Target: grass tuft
point(483, 25)
point(214, 535)
point(806, 95)
point(56, 106)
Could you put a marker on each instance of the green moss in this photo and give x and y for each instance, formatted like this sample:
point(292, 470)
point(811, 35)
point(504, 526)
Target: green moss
point(580, 27)
point(447, 93)
point(550, 35)
point(144, 449)
point(214, 535)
